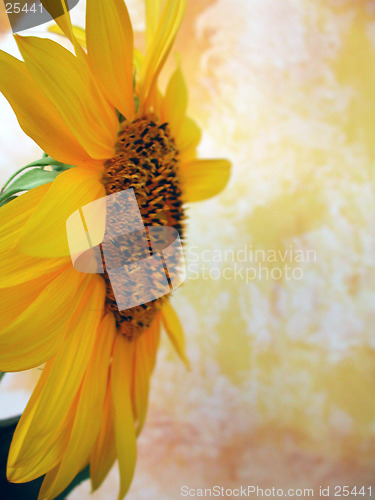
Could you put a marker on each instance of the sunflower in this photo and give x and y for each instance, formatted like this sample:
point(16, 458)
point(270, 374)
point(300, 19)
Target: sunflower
point(100, 110)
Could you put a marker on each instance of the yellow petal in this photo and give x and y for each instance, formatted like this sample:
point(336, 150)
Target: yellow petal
point(47, 483)
point(36, 114)
point(121, 380)
point(46, 459)
point(26, 418)
point(56, 446)
point(160, 47)
point(155, 100)
point(103, 454)
point(138, 60)
point(13, 273)
point(14, 300)
point(188, 139)
point(145, 355)
point(30, 458)
point(66, 80)
point(71, 360)
point(109, 36)
point(141, 383)
point(153, 340)
point(36, 334)
point(13, 217)
point(44, 234)
point(153, 11)
point(14, 214)
point(89, 414)
point(202, 179)
point(174, 330)
point(55, 7)
point(175, 103)
point(79, 33)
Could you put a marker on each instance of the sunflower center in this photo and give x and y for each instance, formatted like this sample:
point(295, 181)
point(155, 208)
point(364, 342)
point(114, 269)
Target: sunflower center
point(146, 160)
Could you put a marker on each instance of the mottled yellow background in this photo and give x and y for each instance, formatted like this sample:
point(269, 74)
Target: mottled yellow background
point(281, 391)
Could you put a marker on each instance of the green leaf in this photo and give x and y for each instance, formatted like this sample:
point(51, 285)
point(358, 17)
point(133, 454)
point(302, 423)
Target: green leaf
point(29, 180)
point(45, 161)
